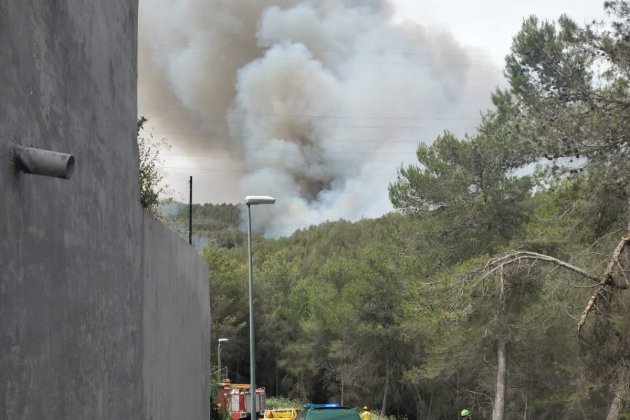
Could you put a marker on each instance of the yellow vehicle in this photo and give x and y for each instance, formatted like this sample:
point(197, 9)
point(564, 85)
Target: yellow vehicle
point(282, 413)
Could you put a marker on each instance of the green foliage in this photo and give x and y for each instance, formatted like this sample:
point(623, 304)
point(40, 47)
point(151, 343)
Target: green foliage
point(571, 87)
point(469, 183)
point(151, 174)
point(349, 302)
point(281, 402)
point(216, 223)
point(412, 305)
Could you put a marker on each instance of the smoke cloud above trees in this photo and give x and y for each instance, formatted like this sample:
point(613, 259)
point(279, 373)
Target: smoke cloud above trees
point(314, 102)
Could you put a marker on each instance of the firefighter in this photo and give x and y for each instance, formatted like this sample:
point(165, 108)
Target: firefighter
point(366, 415)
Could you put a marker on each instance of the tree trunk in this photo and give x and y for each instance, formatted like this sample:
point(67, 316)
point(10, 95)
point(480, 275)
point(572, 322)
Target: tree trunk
point(498, 410)
point(386, 390)
point(430, 403)
point(615, 406)
point(618, 390)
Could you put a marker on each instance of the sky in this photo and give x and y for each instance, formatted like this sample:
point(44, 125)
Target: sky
point(491, 24)
point(318, 102)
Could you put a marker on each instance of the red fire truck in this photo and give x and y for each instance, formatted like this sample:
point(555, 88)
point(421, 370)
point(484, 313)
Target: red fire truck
point(236, 399)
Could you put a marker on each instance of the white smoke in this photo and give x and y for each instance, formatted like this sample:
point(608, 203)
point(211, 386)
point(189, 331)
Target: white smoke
point(314, 102)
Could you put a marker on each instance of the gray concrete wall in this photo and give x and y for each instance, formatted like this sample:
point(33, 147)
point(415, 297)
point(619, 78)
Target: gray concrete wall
point(87, 330)
point(176, 364)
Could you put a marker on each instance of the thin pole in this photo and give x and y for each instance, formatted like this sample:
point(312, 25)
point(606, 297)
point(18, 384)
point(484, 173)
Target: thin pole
point(219, 362)
point(190, 215)
point(342, 390)
point(252, 347)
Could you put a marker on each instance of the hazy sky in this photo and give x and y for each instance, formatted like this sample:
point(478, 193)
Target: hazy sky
point(318, 102)
point(491, 24)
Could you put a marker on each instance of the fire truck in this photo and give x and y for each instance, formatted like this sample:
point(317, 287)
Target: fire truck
point(236, 399)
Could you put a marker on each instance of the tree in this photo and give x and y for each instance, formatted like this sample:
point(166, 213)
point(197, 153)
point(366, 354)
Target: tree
point(571, 86)
point(228, 297)
point(471, 183)
point(151, 174)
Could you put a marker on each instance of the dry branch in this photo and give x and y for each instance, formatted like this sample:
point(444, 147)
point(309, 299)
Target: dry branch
point(606, 280)
point(516, 256)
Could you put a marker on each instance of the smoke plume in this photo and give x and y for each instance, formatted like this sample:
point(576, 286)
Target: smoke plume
point(313, 102)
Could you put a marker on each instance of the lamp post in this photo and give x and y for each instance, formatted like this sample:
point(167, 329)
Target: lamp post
point(252, 200)
point(221, 340)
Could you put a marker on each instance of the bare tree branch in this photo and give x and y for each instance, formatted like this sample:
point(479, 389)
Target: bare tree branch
point(603, 282)
point(606, 280)
point(516, 256)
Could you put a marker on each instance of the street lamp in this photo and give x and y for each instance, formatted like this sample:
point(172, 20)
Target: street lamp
point(252, 200)
point(221, 340)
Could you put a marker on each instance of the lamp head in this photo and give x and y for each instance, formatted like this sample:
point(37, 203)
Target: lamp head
point(251, 200)
point(223, 340)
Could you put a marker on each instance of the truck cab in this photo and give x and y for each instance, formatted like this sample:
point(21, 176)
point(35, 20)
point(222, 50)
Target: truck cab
point(328, 411)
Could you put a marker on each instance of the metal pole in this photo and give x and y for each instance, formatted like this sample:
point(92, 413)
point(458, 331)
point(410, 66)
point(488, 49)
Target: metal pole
point(343, 372)
point(190, 215)
point(252, 348)
point(219, 362)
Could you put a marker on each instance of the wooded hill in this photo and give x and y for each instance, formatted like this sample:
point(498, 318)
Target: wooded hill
point(215, 224)
point(494, 287)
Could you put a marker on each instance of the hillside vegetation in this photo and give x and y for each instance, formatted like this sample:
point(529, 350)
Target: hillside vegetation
point(214, 224)
point(492, 287)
